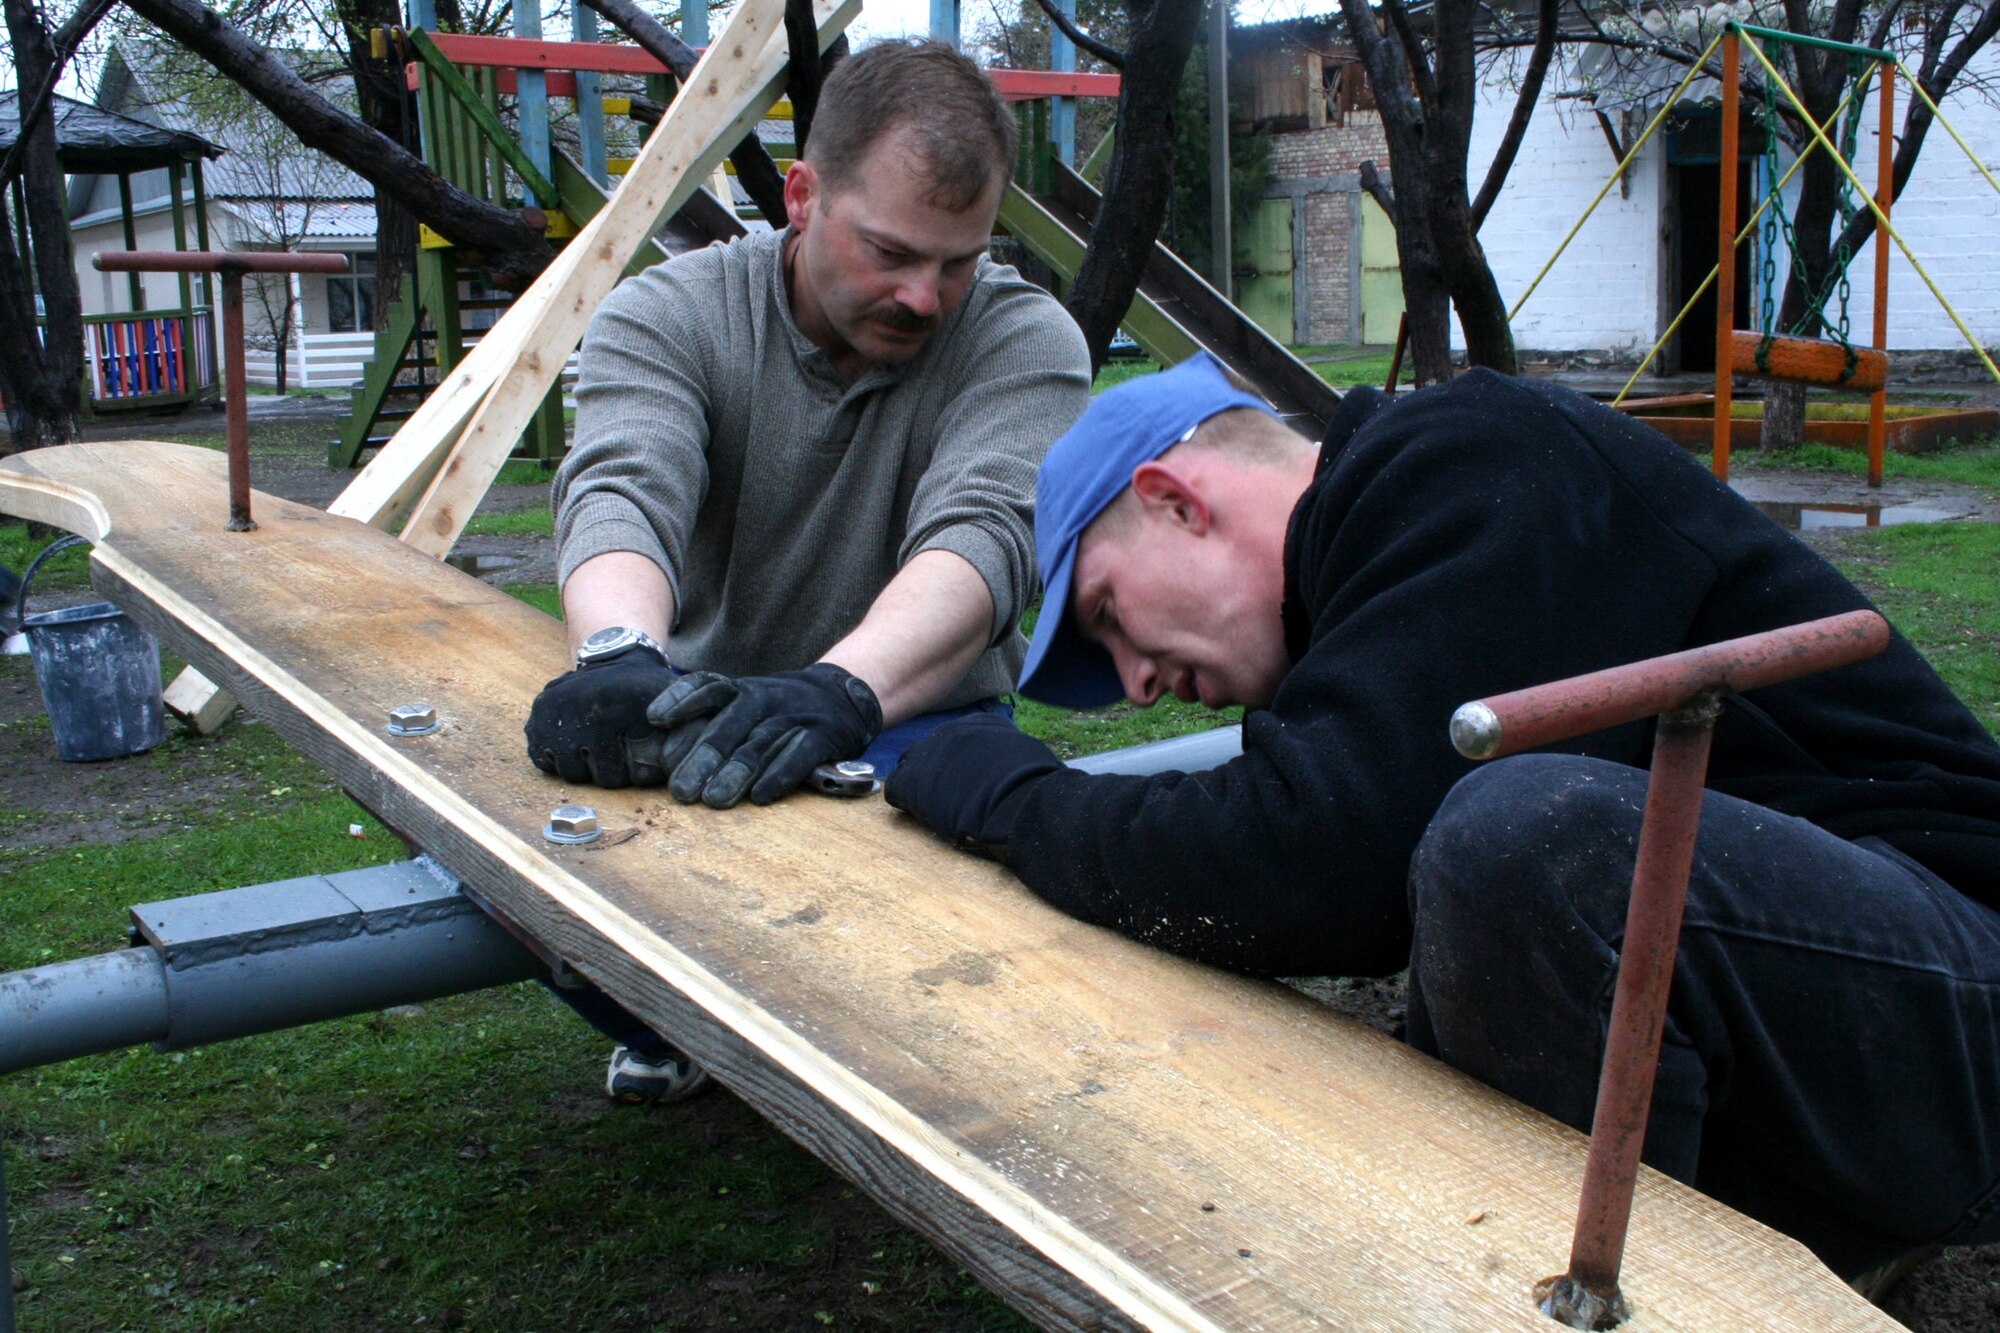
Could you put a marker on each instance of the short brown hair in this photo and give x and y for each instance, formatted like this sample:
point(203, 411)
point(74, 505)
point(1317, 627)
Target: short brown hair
point(921, 87)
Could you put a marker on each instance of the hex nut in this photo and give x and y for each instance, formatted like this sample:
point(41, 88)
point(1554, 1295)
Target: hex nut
point(413, 720)
point(572, 823)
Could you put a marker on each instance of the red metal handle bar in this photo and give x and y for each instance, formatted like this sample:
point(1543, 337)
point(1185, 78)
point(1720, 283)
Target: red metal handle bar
point(1684, 690)
point(1543, 714)
point(232, 265)
point(210, 261)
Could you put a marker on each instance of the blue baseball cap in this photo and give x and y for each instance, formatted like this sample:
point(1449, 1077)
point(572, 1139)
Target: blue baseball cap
point(1084, 472)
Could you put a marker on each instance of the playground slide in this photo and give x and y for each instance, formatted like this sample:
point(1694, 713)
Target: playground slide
point(1176, 311)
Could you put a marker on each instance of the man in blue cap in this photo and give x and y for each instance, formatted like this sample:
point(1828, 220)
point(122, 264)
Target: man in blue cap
point(1832, 1054)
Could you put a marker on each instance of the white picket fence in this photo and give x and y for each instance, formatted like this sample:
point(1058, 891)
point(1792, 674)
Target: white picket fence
point(326, 361)
point(334, 361)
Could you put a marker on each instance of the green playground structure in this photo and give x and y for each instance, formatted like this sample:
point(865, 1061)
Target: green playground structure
point(461, 85)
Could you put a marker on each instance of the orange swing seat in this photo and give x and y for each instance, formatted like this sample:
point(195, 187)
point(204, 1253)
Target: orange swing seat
point(1808, 361)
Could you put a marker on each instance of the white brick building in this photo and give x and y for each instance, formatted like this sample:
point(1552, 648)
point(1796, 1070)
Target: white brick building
point(1623, 278)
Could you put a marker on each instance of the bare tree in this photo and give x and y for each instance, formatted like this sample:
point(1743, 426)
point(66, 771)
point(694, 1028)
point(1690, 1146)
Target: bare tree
point(41, 372)
point(514, 250)
point(1426, 84)
point(1139, 183)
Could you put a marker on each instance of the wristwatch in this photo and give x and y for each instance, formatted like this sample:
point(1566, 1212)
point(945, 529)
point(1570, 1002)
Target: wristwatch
point(615, 641)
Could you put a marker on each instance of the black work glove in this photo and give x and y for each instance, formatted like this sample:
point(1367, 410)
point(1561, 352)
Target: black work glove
point(589, 725)
point(760, 736)
point(968, 780)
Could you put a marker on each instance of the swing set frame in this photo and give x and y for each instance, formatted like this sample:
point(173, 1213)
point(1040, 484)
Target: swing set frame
point(1733, 349)
point(1731, 41)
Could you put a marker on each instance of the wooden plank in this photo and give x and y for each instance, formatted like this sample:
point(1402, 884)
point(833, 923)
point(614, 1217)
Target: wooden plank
point(741, 90)
point(1291, 384)
point(1059, 246)
point(741, 76)
point(1104, 1134)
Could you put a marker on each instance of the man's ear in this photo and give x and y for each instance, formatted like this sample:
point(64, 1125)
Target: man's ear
point(802, 194)
point(1171, 494)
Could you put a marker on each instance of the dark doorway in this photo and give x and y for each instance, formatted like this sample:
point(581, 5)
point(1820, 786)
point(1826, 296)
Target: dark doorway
point(1694, 142)
point(1698, 196)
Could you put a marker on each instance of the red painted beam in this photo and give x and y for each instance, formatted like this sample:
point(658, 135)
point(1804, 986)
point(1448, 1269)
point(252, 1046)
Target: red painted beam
point(524, 53)
point(1019, 85)
point(508, 54)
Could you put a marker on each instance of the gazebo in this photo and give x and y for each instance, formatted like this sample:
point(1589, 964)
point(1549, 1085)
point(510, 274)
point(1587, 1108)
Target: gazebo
point(139, 358)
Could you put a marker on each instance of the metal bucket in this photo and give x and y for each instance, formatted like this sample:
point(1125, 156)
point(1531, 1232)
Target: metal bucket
point(99, 673)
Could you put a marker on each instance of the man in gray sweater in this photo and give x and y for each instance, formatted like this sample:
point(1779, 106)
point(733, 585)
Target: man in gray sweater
point(804, 473)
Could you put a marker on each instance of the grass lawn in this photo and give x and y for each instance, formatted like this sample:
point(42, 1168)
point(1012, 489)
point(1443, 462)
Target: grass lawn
point(1975, 463)
point(1341, 367)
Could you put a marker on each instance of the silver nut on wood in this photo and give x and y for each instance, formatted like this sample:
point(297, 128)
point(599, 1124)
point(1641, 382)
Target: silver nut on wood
point(413, 720)
point(572, 823)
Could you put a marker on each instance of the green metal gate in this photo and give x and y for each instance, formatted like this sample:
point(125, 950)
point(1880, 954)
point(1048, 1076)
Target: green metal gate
point(1263, 268)
point(1381, 275)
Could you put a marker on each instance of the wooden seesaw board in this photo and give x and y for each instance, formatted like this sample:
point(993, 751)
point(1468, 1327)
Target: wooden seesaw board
point(1106, 1135)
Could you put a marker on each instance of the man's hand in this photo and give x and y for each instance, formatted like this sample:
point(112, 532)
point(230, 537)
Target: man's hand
point(589, 725)
point(761, 736)
point(968, 779)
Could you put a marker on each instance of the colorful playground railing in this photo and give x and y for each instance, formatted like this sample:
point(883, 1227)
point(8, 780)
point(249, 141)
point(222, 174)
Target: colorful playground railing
point(153, 354)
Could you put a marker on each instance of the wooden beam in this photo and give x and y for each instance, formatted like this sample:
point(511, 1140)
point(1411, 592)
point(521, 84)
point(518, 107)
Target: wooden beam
point(734, 84)
point(686, 148)
point(1105, 1134)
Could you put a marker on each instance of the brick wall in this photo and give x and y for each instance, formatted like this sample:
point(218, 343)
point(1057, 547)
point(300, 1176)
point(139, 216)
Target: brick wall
point(1319, 166)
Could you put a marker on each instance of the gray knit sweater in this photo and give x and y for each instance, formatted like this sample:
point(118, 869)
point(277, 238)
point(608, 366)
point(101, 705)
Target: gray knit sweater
point(715, 438)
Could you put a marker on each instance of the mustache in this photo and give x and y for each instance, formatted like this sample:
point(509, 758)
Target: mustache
point(904, 320)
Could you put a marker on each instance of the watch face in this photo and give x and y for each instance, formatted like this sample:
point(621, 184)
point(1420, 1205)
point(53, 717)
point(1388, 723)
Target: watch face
point(613, 642)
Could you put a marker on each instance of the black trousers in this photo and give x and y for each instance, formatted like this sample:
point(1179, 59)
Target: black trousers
point(1831, 1062)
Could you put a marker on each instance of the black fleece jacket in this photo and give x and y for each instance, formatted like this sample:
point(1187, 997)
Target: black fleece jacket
point(1469, 539)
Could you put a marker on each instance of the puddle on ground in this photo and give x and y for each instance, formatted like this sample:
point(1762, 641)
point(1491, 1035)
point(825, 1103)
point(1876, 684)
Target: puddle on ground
point(1798, 517)
point(479, 566)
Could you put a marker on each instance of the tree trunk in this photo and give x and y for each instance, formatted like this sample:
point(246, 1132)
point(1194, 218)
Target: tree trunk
point(514, 252)
point(1819, 83)
point(1141, 177)
point(42, 378)
point(1784, 416)
point(388, 107)
point(1447, 141)
point(1426, 298)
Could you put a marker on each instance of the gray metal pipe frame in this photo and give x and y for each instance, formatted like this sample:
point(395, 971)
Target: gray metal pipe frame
point(272, 956)
point(259, 959)
point(6, 1261)
point(1177, 754)
point(222, 965)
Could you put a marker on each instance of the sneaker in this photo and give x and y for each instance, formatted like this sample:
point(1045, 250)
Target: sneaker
point(637, 1081)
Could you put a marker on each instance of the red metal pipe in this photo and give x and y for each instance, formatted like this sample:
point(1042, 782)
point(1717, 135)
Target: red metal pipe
point(1587, 1296)
point(1725, 259)
point(235, 390)
point(232, 265)
point(1685, 689)
point(1544, 714)
point(1885, 193)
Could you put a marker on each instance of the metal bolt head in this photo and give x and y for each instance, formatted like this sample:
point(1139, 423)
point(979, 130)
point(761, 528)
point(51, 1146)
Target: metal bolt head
point(572, 823)
point(1476, 731)
point(413, 720)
